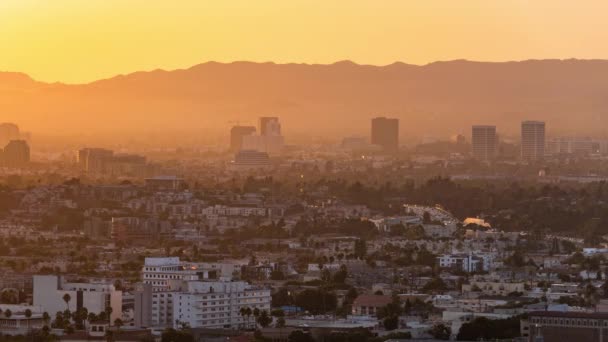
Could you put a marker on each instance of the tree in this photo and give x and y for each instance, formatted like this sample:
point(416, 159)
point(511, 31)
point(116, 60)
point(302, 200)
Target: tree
point(435, 285)
point(118, 323)
point(280, 322)
point(341, 275)
point(8, 313)
point(299, 336)
point(172, 335)
point(441, 332)
point(391, 322)
point(360, 249)
point(264, 319)
point(66, 299)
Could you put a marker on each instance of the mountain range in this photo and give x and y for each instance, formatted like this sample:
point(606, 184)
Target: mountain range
point(338, 99)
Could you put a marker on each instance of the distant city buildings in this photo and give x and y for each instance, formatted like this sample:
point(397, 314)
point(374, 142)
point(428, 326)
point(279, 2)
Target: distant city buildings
point(532, 140)
point(385, 133)
point(16, 154)
point(236, 136)
point(485, 142)
point(270, 139)
point(248, 159)
point(8, 131)
point(100, 161)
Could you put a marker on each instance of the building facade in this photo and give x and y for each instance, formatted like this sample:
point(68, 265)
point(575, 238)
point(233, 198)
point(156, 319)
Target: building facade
point(532, 140)
point(484, 143)
point(385, 133)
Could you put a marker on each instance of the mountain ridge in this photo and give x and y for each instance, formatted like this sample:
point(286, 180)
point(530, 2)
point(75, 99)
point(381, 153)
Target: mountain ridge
point(335, 99)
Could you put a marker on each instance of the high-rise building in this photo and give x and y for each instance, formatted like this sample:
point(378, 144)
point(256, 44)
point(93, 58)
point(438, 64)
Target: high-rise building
point(95, 160)
point(532, 140)
point(270, 139)
point(385, 133)
point(199, 294)
point(485, 142)
point(236, 136)
point(8, 131)
point(270, 125)
point(16, 153)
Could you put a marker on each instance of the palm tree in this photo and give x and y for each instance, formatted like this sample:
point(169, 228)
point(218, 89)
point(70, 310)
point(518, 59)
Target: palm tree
point(109, 313)
point(66, 299)
point(243, 312)
point(118, 323)
point(28, 315)
point(248, 313)
point(46, 317)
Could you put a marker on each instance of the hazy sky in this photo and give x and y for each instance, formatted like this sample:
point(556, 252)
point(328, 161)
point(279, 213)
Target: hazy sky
point(82, 40)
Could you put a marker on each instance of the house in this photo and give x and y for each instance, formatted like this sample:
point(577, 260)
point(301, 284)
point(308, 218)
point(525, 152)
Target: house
point(369, 304)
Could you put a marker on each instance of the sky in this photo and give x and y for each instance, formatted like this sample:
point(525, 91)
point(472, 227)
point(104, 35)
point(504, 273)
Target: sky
point(78, 41)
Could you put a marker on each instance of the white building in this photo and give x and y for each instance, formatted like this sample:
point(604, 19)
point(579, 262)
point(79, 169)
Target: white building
point(49, 292)
point(466, 263)
point(217, 304)
point(166, 274)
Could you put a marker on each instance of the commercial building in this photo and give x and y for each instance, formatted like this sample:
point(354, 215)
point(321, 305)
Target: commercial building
point(19, 323)
point(236, 136)
point(8, 131)
point(95, 160)
point(270, 139)
point(581, 146)
point(249, 159)
point(16, 153)
point(484, 142)
point(557, 326)
point(532, 140)
point(270, 125)
point(50, 291)
point(217, 304)
point(175, 292)
point(385, 133)
point(165, 183)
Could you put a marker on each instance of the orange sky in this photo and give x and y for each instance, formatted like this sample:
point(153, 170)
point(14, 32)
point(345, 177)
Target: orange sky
point(82, 40)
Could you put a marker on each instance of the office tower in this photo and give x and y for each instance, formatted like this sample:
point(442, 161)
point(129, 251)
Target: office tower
point(236, 136)
point(485, 142)
point(532, 140)
point(247, 159)
point(270, 139)
point(572, 145)
point(16, 153)
point(95, 160)
point(385, 133)
point(8, 131)
point(270, 125)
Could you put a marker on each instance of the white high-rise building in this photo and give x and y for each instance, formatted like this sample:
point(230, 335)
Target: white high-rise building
point(485, 142)
point(532, 140)
point(175, 292)
point(206, 304)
